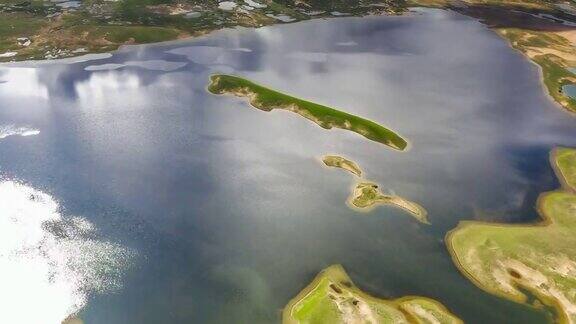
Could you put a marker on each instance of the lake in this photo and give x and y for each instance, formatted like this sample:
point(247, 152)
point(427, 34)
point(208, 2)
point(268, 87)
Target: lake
point(178, 206)
point(569, 90)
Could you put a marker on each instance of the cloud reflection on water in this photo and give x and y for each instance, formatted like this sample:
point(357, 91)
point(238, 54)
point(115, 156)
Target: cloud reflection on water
point(218, 184)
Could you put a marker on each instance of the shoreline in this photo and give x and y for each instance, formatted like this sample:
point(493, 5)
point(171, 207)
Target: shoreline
point(564, 186)
point(187, 36)
point(324, 116)
point(201, 34)
point(544, 220)
point(540, 70)
point(422, 218)
point(338, 271)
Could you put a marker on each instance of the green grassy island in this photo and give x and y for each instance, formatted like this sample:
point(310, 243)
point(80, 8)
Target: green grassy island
point(333, 298)
point(509, 260)
point(336, 161)
point(267, 99)
point(366, 195)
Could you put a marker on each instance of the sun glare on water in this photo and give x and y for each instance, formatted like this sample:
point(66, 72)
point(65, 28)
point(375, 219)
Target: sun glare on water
point(50, 263)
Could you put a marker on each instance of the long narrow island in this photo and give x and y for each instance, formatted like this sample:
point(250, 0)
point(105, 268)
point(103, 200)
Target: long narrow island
point(267, 99)
point(511, 260)
point(333, 298)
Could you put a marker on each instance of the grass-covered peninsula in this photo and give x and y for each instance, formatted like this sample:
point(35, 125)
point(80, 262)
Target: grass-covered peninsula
point(267, 99)
point(541, 30)
point(510, 260)
point(366, 195)
point(554, 52)
point(333, 298)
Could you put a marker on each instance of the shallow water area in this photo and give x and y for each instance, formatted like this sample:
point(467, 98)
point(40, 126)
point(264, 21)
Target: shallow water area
point(229, 210)
point(569, 90)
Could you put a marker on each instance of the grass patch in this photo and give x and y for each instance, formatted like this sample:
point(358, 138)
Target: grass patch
point(367, 195)
point(555, 76)
point(14, 25)
point(138, 34)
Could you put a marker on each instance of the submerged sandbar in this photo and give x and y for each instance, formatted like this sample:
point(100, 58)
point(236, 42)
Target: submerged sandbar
point(267, 99)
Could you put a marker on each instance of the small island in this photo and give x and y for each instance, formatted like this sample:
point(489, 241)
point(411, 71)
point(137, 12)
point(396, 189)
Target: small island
point(267, 99)
point(540, 259)
point(366, 195)
point(333, 298)
point(336, 161)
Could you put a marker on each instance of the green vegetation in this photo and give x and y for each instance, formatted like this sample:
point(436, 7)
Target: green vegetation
point(566, 161)
point(553, 52)
point(342, 163)
point(13, 26)
point(137, 34)
point(366, 195)
point(267, 99)
point(556, 75)
point(333, 298)
point(533, 27)
point(508, 260)
point(101, 25)
point(90, 26)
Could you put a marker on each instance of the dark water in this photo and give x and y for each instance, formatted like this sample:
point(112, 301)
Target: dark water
point(228, 208)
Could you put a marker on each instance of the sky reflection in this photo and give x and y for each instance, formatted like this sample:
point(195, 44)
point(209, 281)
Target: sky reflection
point(229, 206)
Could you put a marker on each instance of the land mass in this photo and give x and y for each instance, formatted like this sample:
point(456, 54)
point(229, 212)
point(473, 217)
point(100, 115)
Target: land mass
point(510, 260)
point(336, 161)
point(267, 99)
point(366, 195)
point(543, 30)
point(43, 29)
point(332, 297)
point(554, 53)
